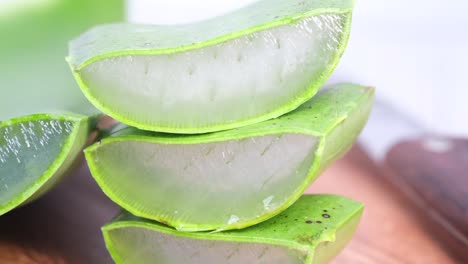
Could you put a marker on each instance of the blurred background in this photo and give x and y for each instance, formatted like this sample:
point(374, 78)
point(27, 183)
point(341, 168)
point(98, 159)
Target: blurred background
point(410, 168)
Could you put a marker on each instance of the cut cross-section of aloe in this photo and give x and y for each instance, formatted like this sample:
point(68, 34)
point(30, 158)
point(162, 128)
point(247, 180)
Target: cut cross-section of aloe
point(312, 231)
point(247, 66)
point(35, 152)
point(234, 178)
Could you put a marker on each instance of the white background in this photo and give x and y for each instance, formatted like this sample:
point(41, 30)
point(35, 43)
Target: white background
point(415, 52)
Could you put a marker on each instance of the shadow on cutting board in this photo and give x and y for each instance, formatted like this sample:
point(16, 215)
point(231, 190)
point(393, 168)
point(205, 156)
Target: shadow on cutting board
point(61, 227)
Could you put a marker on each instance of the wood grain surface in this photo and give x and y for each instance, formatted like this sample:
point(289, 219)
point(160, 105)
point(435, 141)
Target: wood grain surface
point(64, 225)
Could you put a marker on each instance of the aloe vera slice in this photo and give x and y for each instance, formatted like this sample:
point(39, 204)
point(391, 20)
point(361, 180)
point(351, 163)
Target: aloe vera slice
point(35, 152)
point(239, 177)
point(313, 230)
point(40, 134)
point(247, 66)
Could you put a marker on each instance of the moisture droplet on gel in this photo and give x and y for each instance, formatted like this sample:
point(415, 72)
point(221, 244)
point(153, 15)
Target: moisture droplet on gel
point(233, 219)
point(267, 201)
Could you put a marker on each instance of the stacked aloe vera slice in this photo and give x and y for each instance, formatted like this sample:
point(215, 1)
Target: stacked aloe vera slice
point(223, 130)
point(44, 119)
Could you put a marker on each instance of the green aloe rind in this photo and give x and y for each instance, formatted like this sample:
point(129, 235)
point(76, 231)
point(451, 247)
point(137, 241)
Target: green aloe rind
point(312, 231)
point(170, 79)
point(141, 181)
point(35, 152)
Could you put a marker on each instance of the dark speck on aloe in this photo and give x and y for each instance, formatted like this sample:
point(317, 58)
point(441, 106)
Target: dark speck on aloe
point(325, 211)
point(318, 222)
point(326, 216)
point(309, 222)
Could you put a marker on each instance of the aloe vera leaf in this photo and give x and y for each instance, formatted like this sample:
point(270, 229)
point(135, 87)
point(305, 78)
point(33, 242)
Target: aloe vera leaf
point(39, 138)
point(239, 177)
point(268, 58)
point(34, 77)
point(35, 152)
point(313, 230)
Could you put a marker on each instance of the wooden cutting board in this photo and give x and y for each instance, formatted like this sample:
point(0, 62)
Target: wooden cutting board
point(64, 225)
point(390, 230)
point(61, 227)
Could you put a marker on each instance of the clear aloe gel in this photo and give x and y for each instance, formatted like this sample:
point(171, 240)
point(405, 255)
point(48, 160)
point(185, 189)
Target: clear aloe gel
point(247, 66)
point(45, 120)
point(238, 177)
point(312, 231)
point(35, 152)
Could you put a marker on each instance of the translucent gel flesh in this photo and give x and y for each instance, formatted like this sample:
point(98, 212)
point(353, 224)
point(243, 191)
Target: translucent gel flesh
point(231, 81)
point(26, 149)
point(206, 186)
point(145, 246)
